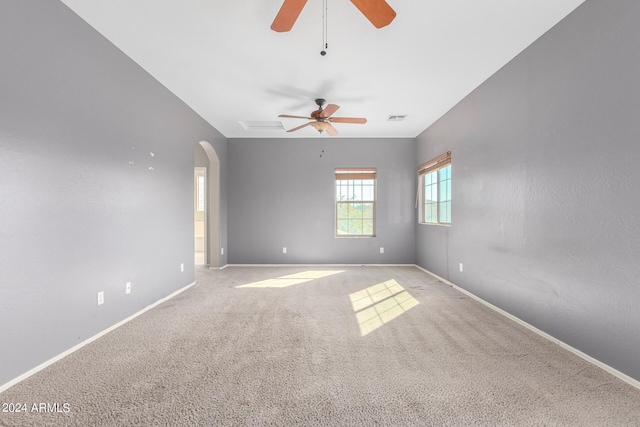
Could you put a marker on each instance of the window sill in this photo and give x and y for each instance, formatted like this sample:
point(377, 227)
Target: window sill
point(435, 223)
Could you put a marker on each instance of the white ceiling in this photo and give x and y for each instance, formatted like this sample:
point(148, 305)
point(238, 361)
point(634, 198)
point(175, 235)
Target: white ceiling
point(222, 59)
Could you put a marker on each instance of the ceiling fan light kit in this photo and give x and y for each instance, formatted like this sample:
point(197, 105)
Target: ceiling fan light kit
point(321, 126)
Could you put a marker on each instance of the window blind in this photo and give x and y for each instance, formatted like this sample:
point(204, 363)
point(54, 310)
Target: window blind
point(433, 164)
point(356, 173)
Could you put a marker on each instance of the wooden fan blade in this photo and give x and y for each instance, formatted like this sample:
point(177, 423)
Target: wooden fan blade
point(348, 120)
point(329, 110)
point(378, 12)
point(331, 131)
point(300, 127)
point(287, 15)
point(295, 117)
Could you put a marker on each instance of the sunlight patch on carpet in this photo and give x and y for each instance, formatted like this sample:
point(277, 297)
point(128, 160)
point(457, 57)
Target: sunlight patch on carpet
point(291, 279)
point(380, 304)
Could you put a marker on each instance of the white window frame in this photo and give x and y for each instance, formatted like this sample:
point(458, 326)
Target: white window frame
point(440, 168)
point(357, 178)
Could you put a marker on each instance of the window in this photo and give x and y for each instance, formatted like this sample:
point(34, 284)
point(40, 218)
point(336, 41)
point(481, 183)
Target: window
point(436, 190)
point(200, 193)
point(355, 202)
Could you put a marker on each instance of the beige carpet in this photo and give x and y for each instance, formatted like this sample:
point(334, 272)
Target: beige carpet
point(339, 346)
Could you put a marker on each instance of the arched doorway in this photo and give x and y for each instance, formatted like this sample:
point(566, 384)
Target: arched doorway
point(207, 166)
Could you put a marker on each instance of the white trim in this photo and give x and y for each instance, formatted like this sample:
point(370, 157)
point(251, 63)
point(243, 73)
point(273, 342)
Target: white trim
point(624, 377)
point(64, 354)
point(320, 265)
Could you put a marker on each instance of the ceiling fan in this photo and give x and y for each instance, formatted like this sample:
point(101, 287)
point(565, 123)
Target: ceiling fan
point(378, 12)
point(321, 118)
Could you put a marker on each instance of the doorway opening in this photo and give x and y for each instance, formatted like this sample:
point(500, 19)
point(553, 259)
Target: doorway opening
point(200, 215)
point(207, 248)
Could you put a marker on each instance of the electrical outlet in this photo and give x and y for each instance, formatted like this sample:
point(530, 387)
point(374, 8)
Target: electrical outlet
point(100, 297)
point(127, 288)
point(381, 250)
point(284, 250)
point(182, 267)
point(460, 266)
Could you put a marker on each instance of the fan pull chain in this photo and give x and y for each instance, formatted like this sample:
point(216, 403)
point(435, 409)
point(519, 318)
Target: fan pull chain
point(325, 44)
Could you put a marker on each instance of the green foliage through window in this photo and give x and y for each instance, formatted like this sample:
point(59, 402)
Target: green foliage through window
point(355, 203)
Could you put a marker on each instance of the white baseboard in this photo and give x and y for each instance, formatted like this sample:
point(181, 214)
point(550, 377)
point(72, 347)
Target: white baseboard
point(62, 355)
point(624, 377)
point(320, 265)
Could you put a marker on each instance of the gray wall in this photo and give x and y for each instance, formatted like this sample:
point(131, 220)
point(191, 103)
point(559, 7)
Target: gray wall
point(545, 185)
point(281, 194)
point(76, 216)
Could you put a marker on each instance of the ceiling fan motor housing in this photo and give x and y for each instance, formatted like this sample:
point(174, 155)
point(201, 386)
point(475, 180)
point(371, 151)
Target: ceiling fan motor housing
point(320, 102)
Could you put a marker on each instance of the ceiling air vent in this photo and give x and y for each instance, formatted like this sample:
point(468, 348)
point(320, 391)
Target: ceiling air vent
point(396, 118)
point(262, 125)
